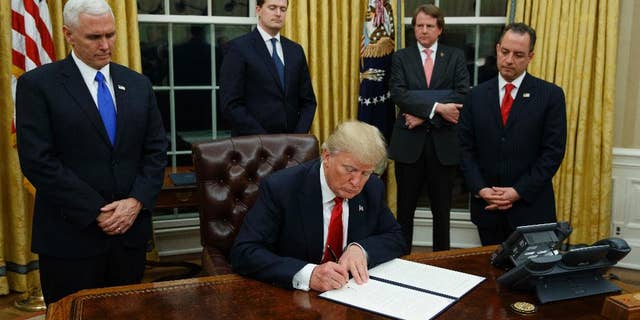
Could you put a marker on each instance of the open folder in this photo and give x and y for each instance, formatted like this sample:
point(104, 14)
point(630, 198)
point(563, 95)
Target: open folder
point(406, 290)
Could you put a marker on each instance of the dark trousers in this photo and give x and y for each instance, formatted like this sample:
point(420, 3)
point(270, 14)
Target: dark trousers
point(438, 178)
point(120, 265)
point(496, 234)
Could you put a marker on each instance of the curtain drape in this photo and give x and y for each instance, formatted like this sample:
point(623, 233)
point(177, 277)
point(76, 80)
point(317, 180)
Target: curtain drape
point(576, 49)
point(18, 266)
point(330, 33)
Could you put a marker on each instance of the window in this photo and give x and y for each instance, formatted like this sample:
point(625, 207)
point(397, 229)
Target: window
point(474, 27)
point(182, 45)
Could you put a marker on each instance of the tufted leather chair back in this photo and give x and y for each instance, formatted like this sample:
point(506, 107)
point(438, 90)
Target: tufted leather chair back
point(228, 173)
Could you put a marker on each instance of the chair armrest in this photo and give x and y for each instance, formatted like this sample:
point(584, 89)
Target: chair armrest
point(214, 262)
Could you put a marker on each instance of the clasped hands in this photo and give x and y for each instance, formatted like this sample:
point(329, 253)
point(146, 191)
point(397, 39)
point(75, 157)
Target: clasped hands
point(499, 198)
point(448, 111)
point(332, 275)
point(118, 216)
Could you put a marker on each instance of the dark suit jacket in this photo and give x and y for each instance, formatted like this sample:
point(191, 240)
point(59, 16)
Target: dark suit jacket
point(65, 152)
point(407, 76)
point(253, 100)
point(525, 154)
point(284, 229)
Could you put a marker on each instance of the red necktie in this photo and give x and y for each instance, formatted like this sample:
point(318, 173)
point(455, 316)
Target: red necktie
point(507, 101)
point(428, 66)
point(334, 237)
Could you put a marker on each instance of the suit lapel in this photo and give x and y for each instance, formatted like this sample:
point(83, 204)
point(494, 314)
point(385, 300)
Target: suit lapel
point(287, 51)
point(260, 47)
point(76, 88)
point(310, 199)
point(418, 73)
point(493, 97)
point(357, 218)
point(439, 68)
point(119, 89)
point(521, 102)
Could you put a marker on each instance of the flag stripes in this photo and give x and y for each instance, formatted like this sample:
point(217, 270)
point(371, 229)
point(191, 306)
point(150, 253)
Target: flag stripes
point(32, 44)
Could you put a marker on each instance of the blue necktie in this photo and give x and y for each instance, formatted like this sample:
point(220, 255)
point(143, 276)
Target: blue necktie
point(277, 62)
point(106, 107)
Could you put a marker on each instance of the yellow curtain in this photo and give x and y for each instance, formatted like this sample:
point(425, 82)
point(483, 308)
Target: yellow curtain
point(330, 35)
point(576, 49)
point(18, 266)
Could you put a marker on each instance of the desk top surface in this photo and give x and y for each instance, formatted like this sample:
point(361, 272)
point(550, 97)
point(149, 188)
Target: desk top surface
point(235, 297)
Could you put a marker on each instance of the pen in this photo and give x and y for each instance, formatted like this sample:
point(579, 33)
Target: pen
point(333, 254)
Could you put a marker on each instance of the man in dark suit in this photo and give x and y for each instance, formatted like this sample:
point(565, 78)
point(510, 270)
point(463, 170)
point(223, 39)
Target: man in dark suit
point(424, 144)
point(91, 141)
point(512, 142)
point(307, 215)
point(265, 83)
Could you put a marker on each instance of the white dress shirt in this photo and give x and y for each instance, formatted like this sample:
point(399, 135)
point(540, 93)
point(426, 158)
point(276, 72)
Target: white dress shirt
point(267, 41)
point(89, 76)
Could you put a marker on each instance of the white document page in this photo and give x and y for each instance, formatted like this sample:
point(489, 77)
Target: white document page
point(443, 281)
point(389, 299)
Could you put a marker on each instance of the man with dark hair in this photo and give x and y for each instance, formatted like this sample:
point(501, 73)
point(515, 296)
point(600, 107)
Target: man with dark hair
point(90, 139)
point(265, 83)
point(428, 83)
point(512, 133)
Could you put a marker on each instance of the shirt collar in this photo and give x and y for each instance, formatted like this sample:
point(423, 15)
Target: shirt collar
point(516, 82)
point(327, 193)
point(89, 73)
point(433, 48)
point(266, 36)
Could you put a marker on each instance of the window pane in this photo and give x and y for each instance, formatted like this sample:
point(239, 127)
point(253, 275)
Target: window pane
point(188, 7)
point(151, 6)
point(458, 8)
point(235, 8)
point(193, 116)
point(191, 55)
point(493, 8)
point(410, 6)
point(162, 98)
point(489, 36)
point(153, 50)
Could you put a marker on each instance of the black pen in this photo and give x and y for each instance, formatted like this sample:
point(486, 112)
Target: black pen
point(333, 254)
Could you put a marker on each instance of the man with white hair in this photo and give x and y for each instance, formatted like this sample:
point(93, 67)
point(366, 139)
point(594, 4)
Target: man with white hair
point(315, 223)
point(90, 139)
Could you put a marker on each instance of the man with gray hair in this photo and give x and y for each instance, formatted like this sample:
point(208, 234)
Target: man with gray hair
point(90, 139)
point(315, 223)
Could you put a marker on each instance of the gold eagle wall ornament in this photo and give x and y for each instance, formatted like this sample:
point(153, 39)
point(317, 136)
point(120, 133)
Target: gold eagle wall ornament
point(378, 36)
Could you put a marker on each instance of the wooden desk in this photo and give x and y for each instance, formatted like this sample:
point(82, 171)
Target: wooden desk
point(234, 297)
point(172, 196)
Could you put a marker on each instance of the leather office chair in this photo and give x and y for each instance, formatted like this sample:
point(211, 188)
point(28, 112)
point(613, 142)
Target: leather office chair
point(228, 173)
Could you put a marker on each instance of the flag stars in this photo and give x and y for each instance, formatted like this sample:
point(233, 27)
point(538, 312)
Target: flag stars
point(374, 100)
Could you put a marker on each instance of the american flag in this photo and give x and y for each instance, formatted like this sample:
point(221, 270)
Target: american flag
point(32, 44)
point(376, 48)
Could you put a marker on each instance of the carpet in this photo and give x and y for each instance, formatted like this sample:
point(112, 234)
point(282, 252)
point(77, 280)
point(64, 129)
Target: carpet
point(40, 315)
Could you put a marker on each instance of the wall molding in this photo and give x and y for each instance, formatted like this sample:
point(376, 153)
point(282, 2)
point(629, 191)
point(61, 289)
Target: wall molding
point(625, 202)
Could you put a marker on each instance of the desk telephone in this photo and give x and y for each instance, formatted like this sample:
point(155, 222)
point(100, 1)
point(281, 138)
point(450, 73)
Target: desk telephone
point(533, 259)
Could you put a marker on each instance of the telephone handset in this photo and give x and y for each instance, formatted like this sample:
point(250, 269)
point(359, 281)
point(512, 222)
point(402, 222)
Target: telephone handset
point(531, 241)
point(575, 273)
